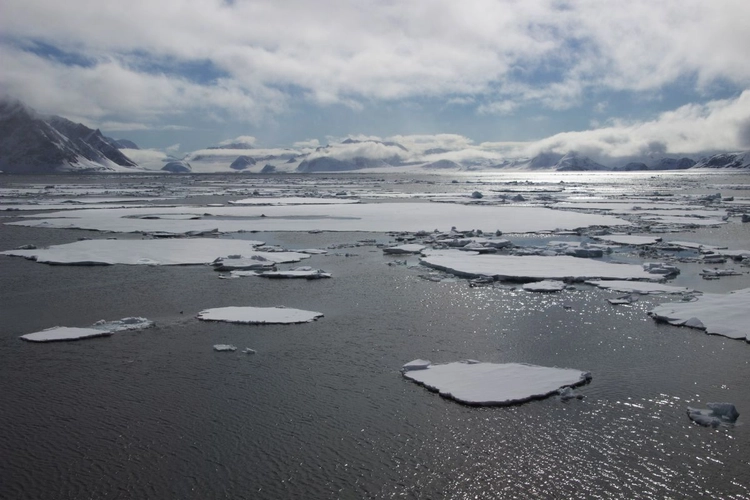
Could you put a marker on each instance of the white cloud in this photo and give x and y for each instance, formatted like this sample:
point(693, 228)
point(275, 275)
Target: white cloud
point(308, 144)
point(245, 139)
point(173, 148)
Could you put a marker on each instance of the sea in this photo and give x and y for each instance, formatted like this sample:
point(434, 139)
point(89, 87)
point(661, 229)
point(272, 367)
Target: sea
point(321, 410)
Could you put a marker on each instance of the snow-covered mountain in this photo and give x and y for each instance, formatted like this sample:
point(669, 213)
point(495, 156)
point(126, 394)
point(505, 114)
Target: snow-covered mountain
point(34, 143)
point(726, 160)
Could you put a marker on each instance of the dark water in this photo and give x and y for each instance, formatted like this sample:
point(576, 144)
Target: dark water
point(321, 410)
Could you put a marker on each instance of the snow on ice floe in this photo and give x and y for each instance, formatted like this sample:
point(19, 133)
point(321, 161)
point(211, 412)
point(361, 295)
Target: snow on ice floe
point(259, 315)
point(531, 268)
point(717, 314)
point(409, 248)
point(99, 329)
point(373, 217)
point(715, 415)
point(490, 384)
point(641, 287)
point(545, 286)
point(150, 252)
point(293, 200)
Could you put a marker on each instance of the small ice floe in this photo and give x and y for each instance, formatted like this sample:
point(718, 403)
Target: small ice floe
point(259, 315)
point(642, 287)
point(240, 263)
point(489, 384)
point(417, 364)
point(409, 248)
point(313, 251)
point(716, 414)
point(224, 347)
point(61, 333)
point(623, 300)
point(247, 350)
point(718, 273)
point(545, 286)
point(303, 272)
point(717, 314)
point(101, 328)
point(629, 239)
point(660, 268)
point(567, 393)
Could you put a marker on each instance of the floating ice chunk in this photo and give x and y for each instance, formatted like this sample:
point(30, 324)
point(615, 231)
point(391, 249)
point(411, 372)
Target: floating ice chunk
point(259, 315)
point(534, 267)
point(629, 239)
point(293, 200)
point(624, 300)
point(404, 249)
point(224, 347)
point(247, 350)
point(61, 333)
point(660, 268)
point(717, 273)
point(153, 252)
point(303, 272)
point(545, 286)
point(101, 328)
point(417, 364)
point(718, 314)
point(642, 287)
point(715, 415)
point(567, 393)
point(490, 384)
point(313, 251)
point(240, 263)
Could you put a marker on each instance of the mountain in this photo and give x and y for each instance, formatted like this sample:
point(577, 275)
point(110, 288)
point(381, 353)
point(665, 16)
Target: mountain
point(726, 160)
point(672, 164)
point(330, 164)
point(122, 143)
point(573, 162)
point(34, 143)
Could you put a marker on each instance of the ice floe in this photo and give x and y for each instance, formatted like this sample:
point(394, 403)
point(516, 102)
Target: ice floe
point(490, 384)
point(293, 200)
point(717, 314)
point(531, 268)
point(224, 348)
point(642, 287)
point(60, 333)
point(151, 252)
point(629, 239)
point(304, 272)
point(409, 248)
point(101, 328)
point(374, 217)
point(545, 286)
point(259, 315)
point(716, 414)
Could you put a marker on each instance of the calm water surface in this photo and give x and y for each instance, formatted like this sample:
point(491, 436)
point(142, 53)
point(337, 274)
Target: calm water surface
point(321, 410)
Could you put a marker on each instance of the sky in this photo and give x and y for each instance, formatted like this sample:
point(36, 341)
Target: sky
point(596, 76)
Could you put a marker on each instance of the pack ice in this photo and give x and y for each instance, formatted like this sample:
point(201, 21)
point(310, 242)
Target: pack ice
point(717, 314)
point(259, 315)
point(489, 384)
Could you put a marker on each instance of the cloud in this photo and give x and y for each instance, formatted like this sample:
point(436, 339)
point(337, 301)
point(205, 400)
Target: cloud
point(245, 139)
point(308, 144)
point(263, 53)
point(173, 148)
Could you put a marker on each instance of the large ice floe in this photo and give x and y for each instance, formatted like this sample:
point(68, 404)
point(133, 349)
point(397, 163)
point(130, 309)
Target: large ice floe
point(489, 384)
point(717, 314)
point(531, 268)
point(99, 329)
point(545, 286)
point(151, 252)
point(375, 217)
point(259, 315)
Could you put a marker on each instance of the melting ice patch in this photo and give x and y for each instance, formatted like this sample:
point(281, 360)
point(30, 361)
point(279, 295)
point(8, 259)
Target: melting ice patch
point(717, 314)
point(545, 286)
point(530, 268)
point(259, 315)
point(489, 384)
point(150, 252)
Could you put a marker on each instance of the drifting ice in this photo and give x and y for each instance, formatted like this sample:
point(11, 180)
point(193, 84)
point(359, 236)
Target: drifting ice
point(715, 415)
point(489, 384)
point(99, 329)
point(259, 315)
